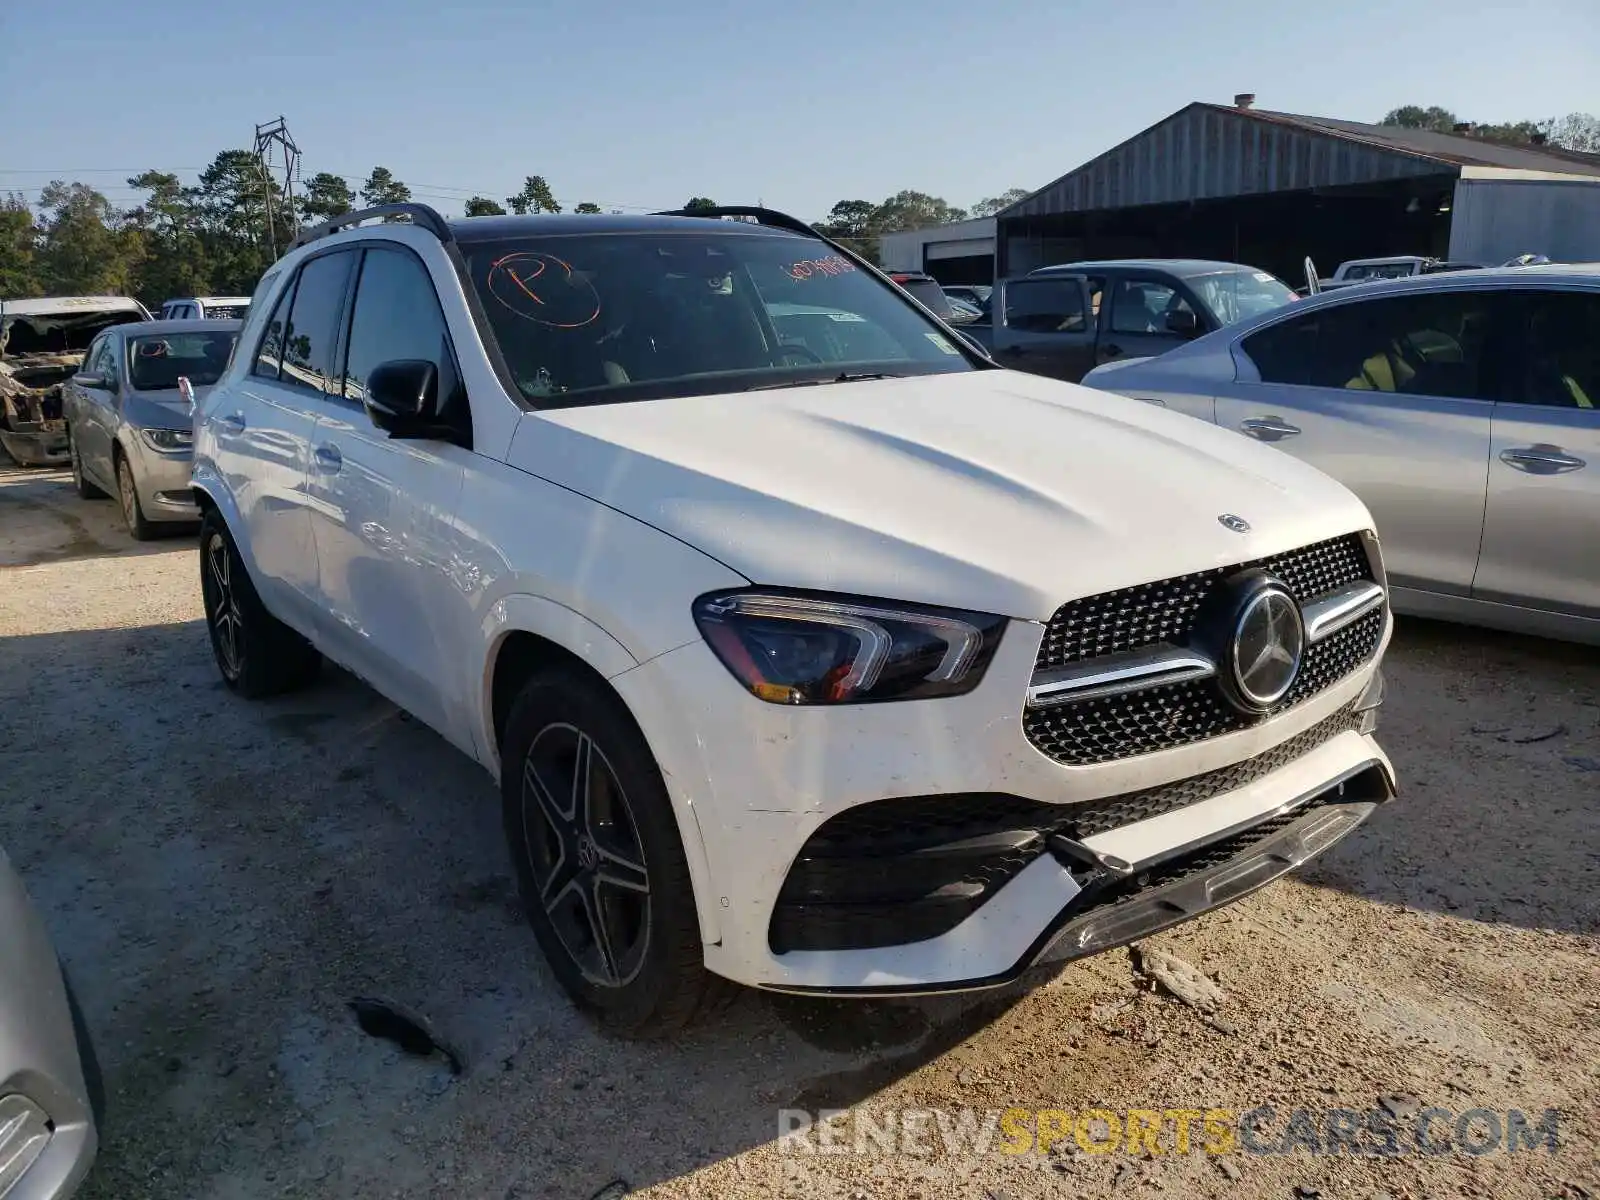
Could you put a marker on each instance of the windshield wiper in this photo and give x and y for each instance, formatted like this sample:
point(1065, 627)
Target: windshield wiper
point(841, 377)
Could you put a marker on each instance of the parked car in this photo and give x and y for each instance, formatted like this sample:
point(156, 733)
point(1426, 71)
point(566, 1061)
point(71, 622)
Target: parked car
point(51, 1098)
point(1062, 321)
point(130, 426)
point(1464, 408)
point(810, 648)
point(204, 308)
point(41, 345)
point(927, 290)
point(1365, 270)
point(975, 294)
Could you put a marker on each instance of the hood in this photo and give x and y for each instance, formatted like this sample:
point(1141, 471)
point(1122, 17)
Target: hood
point(164, 408)
point(989, 490)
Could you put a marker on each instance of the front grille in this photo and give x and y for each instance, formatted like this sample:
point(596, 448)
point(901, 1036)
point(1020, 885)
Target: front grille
point(895, 871)
point(1162, 718)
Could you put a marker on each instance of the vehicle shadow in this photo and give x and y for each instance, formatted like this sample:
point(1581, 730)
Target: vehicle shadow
point(223, 877)
point(44, 520)
point(1495, 740)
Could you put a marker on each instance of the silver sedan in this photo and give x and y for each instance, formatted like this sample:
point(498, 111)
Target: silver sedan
point(49, 1082)
point(1464, 408)
point(130, 423)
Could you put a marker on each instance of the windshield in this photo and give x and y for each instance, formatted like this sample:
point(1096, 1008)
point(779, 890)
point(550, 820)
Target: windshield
point(609, 317)
point(156, 361)
point(1234, 295)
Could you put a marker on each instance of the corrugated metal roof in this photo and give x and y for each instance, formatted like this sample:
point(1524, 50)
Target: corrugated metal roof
point(1211, 151)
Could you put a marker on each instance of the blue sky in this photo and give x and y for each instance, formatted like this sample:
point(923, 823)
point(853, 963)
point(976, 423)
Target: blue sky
point(634, 104)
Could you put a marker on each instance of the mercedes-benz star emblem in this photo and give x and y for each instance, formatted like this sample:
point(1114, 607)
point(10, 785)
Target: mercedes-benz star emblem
point(1237, 524)
point(1269, 640)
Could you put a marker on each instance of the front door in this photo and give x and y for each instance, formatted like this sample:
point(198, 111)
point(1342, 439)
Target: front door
point(1045, 325)
point(1137, 326)
point(96, 413)
point(1393, 397)
point(1541, 531)
point(383, 509)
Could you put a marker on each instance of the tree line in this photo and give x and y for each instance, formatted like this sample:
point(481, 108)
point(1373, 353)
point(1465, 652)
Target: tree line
point(211, 238)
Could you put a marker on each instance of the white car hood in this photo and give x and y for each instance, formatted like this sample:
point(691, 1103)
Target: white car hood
point(988, 490)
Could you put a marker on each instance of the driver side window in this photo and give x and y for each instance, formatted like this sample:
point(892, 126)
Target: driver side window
point(397, 316)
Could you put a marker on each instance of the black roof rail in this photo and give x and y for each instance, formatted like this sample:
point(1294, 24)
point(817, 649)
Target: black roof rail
point(424, 215)
point(763, 216)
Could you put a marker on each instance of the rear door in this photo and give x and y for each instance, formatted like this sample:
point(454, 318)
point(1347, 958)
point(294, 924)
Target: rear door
point(1541, 532)
point(1136, 326)
point(264, 431)
point(1393, 396)
point(1045, 325)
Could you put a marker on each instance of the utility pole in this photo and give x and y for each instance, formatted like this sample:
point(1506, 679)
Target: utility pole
point(277, 157)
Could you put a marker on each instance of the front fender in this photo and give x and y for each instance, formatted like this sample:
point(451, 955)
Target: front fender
point(208, 486)
point(572, 631)
point(581, 637)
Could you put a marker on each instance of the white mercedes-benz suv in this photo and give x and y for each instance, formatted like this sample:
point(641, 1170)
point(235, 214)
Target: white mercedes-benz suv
point(810, 649)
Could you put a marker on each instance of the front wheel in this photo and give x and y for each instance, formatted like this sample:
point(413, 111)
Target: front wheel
point(257, 654)
point(599, 861)
point(138, 528)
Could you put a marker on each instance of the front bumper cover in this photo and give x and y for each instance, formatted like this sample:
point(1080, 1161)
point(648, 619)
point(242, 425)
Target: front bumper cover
point(1117, 905)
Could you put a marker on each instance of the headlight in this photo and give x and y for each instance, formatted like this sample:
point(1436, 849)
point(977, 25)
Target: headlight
point(168, 440)
point(807, 649)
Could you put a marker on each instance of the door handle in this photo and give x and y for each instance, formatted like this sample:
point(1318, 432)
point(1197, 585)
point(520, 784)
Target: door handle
point(1018, 350)
point(234, 422)
point(1153, 400)
point(1112, 350)
point(1268, 429)
point(328, 458)
point(1541, 460)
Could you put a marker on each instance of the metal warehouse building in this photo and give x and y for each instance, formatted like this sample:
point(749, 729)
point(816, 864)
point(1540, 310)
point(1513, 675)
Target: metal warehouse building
point(1269, 188)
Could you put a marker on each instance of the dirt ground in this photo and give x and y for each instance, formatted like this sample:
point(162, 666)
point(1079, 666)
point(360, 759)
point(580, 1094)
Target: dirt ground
point(223, 878)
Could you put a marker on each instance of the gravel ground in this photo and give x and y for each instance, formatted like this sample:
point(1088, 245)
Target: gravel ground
point(223, 878)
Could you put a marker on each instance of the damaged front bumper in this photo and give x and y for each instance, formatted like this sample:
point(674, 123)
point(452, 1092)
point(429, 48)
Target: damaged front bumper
point(36, 443)
point(32, 429)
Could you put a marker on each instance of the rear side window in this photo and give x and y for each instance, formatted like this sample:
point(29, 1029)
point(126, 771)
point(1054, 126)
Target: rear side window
point(308, 341)
point(1045, 306)
point(1420, 345)
point(270, 352)
point(1282, 352)
point(1562, 365)
point(396, 315)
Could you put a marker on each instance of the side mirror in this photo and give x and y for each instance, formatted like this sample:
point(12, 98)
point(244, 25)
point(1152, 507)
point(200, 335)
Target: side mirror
point(1183, 322)
point(186, 390)
point(403, 394)
point(89, 379)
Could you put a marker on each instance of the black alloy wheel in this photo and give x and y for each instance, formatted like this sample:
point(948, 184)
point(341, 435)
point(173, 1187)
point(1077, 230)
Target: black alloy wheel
point(585, 856)
point(222, 605)
point(257, 654)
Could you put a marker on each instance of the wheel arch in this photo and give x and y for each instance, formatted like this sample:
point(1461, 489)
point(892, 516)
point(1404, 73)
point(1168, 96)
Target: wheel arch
point(530, 634)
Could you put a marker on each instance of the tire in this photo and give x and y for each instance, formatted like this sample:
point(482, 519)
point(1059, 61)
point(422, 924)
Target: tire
point(257, 654)
point(139, 529)
point(646, 985)
point(80, 481)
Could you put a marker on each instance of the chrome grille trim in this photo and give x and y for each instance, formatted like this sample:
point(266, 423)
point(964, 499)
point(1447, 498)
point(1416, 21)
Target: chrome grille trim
point(1115, 674)
point(1326, 615)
